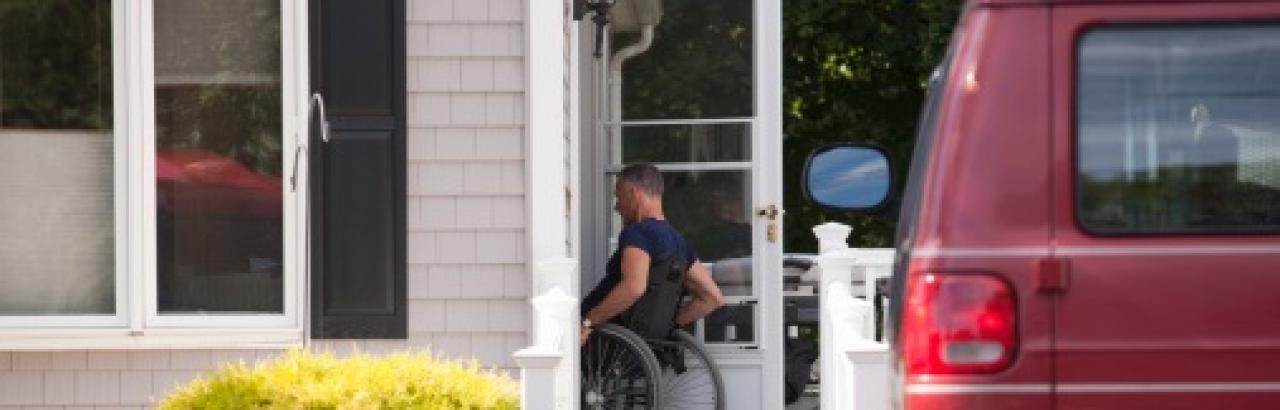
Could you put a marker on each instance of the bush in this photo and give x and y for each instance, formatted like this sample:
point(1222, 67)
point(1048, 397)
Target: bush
point(303, 380)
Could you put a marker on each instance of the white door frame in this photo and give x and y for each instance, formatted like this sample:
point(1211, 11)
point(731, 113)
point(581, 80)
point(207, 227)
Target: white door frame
point(767, 153)
point(766, 187)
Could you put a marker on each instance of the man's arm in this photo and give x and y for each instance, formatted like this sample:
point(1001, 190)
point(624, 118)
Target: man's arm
point(635, 277)
point(706, 295)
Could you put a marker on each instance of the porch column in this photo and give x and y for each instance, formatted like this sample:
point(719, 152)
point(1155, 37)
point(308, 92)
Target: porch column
point(547, 213)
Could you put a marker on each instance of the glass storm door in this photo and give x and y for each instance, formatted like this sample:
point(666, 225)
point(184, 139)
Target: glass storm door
point(702, 103)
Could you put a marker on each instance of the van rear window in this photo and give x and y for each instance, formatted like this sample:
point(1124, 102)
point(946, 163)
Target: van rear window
point(1178, 129)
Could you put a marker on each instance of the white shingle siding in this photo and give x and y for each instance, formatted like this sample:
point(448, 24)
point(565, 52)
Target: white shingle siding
point(466, 112)
point(106, 378)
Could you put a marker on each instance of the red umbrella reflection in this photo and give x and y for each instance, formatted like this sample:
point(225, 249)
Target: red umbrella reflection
point(202, 181)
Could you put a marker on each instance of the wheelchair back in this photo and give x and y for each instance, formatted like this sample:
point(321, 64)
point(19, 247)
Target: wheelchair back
point(653, 316)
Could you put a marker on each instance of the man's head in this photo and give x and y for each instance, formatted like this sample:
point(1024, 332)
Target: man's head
point(638, 192)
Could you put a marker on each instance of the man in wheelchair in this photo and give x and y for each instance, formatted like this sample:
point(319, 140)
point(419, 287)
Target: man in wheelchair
point(647, 240)
point(634, 353)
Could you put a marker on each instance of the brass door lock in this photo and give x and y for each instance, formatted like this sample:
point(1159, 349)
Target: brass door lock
point(771, 213)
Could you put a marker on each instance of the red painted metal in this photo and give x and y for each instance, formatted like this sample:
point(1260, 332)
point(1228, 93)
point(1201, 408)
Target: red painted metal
point(998, 198)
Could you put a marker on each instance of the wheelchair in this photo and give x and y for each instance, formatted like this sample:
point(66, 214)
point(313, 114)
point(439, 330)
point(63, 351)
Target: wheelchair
point(641, 360)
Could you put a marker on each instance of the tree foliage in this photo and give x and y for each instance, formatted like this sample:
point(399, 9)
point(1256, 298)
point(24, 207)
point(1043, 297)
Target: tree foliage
point(854, 71)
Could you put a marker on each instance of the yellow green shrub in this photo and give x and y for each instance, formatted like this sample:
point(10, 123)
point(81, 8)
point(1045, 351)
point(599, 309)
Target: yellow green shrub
point(303, 380)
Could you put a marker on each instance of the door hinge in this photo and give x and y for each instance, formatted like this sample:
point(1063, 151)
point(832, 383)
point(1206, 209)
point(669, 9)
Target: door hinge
point(1053, 275)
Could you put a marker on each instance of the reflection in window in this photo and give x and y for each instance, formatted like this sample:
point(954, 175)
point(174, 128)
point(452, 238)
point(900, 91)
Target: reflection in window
point(700, 64)
point(1179, 129)
point(686, 143)
point(57, 225)
point(55, 64)
point(730, 324)
point(218, 156)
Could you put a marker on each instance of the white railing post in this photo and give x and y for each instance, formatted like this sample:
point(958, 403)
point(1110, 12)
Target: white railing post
point(547, 375)
point(873, 264)
point(853, 365)
point(869, 365)
point(838, 308)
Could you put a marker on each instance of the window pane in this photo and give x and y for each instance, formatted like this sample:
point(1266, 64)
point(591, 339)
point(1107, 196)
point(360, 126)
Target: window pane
point(1179, 129)
point(57, 239)
point(55, 64)
point(731, 324)
point(219, 195)
point(686, 143)
point(699, 66)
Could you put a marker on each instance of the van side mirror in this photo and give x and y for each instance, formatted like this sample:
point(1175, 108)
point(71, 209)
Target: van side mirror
point(848, 178)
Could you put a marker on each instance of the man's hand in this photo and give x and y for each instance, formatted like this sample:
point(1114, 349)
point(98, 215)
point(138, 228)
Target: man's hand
point(706, 295)
point(583, 333)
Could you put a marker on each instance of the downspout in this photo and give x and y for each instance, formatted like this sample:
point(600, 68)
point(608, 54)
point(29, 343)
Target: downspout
point(615, 87)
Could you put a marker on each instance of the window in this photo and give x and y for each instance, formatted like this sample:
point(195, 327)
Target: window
point(1179, 129)
point(142, 166)
point(57, 149)
point(219, 210)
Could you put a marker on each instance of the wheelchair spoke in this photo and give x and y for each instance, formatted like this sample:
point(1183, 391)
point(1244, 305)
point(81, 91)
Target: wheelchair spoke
point(698, 386)
point(617, 373)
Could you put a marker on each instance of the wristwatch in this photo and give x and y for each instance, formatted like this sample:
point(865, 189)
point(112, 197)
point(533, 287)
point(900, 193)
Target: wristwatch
point(586, 323)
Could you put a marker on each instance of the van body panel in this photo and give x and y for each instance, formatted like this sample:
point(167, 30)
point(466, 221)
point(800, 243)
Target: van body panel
point(988, 174)
point(997, 3)
point(977, 401)
point(1153, 321)
point(984, 198)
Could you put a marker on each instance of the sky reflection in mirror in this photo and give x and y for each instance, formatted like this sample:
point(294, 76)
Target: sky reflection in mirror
point(849, 177)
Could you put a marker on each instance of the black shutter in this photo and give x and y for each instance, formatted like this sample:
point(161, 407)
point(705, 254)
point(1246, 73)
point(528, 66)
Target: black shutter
point(358, 194)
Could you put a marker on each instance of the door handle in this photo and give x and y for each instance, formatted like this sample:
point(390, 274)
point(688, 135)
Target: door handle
point(771, 213)
point(315, 102)
point(1053, 275)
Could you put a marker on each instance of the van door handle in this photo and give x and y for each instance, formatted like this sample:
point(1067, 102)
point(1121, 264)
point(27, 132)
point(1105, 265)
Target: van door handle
point(1053, 275)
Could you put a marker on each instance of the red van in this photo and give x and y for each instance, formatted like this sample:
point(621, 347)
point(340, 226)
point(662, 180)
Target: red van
point(1091, 219)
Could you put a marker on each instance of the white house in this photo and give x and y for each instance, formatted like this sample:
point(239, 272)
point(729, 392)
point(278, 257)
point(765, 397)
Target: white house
point(173, 197)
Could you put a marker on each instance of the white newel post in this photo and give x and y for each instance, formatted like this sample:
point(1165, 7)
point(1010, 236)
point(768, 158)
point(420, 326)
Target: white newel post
point(851, 361)
point(546, 374)
point(870, 364)
point(835, 303)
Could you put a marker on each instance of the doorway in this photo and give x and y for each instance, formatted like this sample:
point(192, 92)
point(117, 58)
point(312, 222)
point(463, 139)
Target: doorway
point(694, 89)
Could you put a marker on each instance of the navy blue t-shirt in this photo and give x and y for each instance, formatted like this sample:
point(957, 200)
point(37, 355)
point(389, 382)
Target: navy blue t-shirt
point(655, 237)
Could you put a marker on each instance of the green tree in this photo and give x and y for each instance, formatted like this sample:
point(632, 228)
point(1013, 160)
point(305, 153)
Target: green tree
point(854, 71)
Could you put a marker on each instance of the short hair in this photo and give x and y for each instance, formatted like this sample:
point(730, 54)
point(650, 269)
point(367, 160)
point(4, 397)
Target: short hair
point(644, 176)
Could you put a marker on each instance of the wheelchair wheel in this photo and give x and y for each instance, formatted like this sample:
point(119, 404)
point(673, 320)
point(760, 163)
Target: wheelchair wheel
point(698, 386)
point(618, 371)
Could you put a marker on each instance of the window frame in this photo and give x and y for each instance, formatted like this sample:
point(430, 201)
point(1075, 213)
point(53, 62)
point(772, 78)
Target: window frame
point(136, 322)
point(1076, 133)
point(120, 135)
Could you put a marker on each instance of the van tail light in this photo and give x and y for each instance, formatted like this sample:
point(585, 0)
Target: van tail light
point(958, 324)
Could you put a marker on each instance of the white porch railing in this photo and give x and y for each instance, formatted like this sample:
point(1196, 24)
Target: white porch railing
point(854, 367)
point(547, 371)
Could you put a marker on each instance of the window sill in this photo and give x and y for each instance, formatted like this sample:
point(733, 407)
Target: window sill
point(154, 339)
